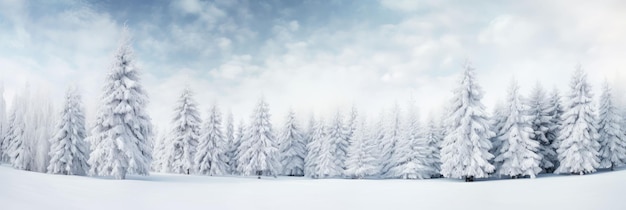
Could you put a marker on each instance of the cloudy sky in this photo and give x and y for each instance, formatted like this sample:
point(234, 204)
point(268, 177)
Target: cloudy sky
point(311, 55)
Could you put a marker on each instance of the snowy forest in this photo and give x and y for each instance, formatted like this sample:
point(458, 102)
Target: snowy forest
point(543, 132)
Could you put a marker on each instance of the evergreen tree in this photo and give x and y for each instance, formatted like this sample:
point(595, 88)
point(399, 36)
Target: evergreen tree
point(180, 147)
point(259, 150)
point(465, 149)
point(4, 127)
point(337, 141)
point(555, 111)
point(518, 152)
point(229, 136)
point(379, 137)
point(433, 139)
point(498, 119)
point(314, 147)
point(211, 157)
point(122, 136)
point(578, 149)
point(612, 139)
point(239, 135)
point(541, 121)
point(292, 148)
point(409, 156)
point(159, 162)
point(69, 151)
point(18, 150)
point(392, 136)
point(361, 161)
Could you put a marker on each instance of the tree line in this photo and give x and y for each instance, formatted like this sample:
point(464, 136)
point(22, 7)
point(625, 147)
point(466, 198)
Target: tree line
point(523, 137)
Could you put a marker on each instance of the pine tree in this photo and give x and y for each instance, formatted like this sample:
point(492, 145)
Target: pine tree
point(612, 138)
point(578, 149)
point(229, 136)
point(314, 148)
point(498, 119)
point(69, 151)
point(292, 148)
point(211, 157)
point(465, 149)
point(433, 139)
point(379, 136)
point(4, 127)
point(361, 161)
point(539, 112)
point(18, 150)
point(159, 154)
point(122, 136)
point(180, 147)
point(259, 150)
point(555, 111)
point(239, 135)
point(393, 135)
point(518, 152)
point(409, 157)
point(337, 141)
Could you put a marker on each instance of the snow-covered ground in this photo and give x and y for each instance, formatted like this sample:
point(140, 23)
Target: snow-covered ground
point(21, 190)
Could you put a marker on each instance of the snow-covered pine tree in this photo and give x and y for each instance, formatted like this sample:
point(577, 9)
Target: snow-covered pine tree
point(338, 141)
point(518, 155)
point(498, 119)
point(541, 121)
point(578, 149)
point(259, 149)
point(409, 156)
point(310, 129)
point(393, 135)
point(326, 163)
point(180, 147)
point(19, 151)
point(69, 151)
point(229, 136)
point(555, 111)
point(465, 149)
point(351, 124)
point(612, 139)
point(211, 158)
point(361, 162)
point(292, 147)
point(122, 136)
point(4, 126)
point(159, 162)
point(433, 138)
point(379, 136)
point(314, 147)
point(239, 135)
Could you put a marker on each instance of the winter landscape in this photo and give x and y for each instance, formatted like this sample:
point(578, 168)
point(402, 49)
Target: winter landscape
point(312, 105)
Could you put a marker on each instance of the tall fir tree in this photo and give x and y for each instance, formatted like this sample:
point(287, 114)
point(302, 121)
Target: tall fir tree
point(259, 149)
point(337, 142)
point(229, 136)
point(122, 136)
point(518, 155)
point(578, 149)
point(465, 149)
point(292, 147)
point(180, 147)
point(498, 119)
point(69, 151)
point(409, 157)
point(211, 157)
point(314, 147)
point(541, 121)
point(555, 111)
point(18, 150)
point(239, 135)
point(393, 134)
point(4, 126)
point(159, 152)
point(361, 162)
point(612, 138)
point(433, 138)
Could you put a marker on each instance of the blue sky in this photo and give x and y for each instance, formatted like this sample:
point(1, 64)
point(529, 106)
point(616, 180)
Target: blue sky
point(311, 55)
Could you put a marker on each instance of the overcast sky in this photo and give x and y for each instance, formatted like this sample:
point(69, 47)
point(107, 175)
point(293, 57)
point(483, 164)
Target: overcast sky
point(311, 55)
